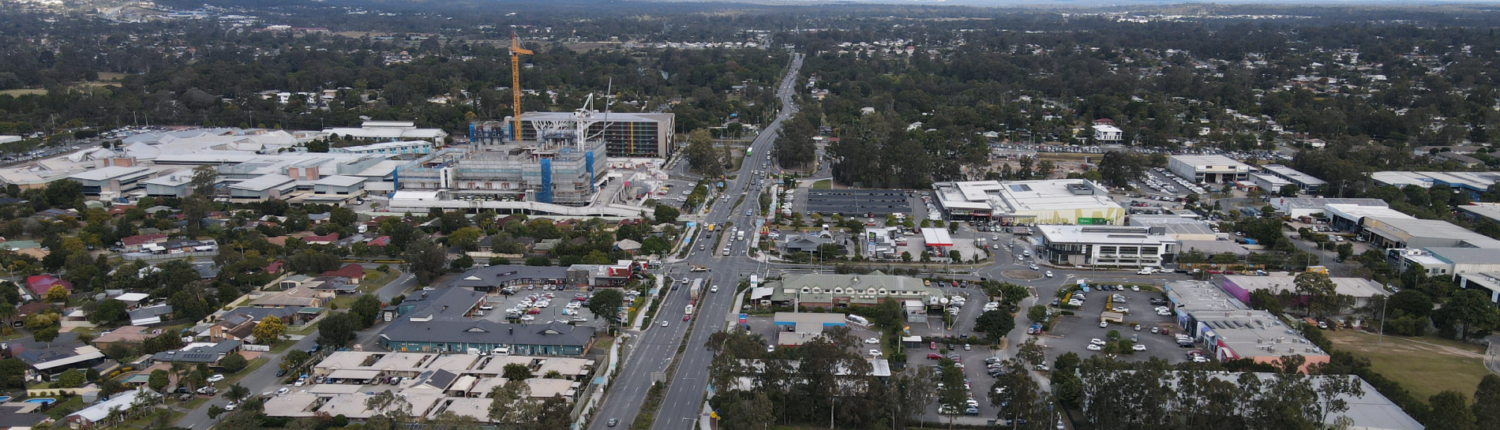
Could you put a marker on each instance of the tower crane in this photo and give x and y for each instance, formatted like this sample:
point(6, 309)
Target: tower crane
point(515, 82)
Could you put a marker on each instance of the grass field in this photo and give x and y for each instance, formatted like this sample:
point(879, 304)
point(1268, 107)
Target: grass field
point(823, 184)
point(24, 91)
point(1425, 366)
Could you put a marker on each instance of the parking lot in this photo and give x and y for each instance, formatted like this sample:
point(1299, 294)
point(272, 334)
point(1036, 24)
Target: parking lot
point(1074, 333)
point(537, 308)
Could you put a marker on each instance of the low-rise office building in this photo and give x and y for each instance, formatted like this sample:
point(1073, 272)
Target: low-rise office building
point(1214, 169)
point(1123, 246)
point(1179, 228)
point(1229, 330)
point(339, 185)
point(264, 187)
point(1408, 232)
point(1303, 181)
point(1268, 183)
point(1297, 207)
point(173, 185)
point(492, 278)
point(112, 180)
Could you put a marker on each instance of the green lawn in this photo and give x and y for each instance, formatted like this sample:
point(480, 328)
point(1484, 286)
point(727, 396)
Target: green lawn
point(71, 405)
point(1425, 366)
point(374, 279)
point(823, 184)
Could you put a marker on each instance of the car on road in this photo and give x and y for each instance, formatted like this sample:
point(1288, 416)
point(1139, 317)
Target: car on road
point(613, 422)
point(770, 348)
point(684, 317)
point(1138, 347)
point(1049, 273)
point(230, 407)
point(872, 340)
point(1103, 324)
point(1095, 348)
point(934, 356)
point(932, 346)
point(1033, 267)
point(283, 390)
point(875, 353)
point(713, 289)
point(663, 323)
point(1096, 341)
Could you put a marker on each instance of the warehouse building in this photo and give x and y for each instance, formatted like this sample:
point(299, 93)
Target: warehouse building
point(1297, 207)
point(1408, 232)
point(1268, 183)
point(1179, 228)
point(1108, 246)
point(1230, 330)
point(1214, 169)
point(1473, 212)
point(1475, 183)
point(339, 185)
point(1052, 201)
point(1446, 262)
point(172, 185)
point(1303, 181)
point(1240, 286)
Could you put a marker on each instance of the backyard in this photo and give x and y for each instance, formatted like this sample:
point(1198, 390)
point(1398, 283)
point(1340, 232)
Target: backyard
point(1425, 366)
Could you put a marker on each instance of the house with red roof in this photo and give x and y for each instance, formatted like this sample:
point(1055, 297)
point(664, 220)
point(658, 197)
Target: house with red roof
point(352, 271)
point(321, 240)
point(275, 267)
point(381, 241)
point(134, 243)
point(278, 240)
point(40, 284)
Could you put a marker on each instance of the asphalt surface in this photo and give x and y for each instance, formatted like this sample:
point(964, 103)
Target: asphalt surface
point(651, 355)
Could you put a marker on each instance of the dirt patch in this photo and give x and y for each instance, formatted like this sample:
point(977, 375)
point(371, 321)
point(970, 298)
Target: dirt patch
point(1025, 275)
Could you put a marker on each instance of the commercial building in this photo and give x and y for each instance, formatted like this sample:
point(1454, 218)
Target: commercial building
point(1345, 217)
point(1108, 134)
point(1446, 261)
point(388, 131)
point(441, 322)
point(1240, 286)
point(795, 328)
point(1297, 207)
point(1368, 411)
point(626, 134)
point(492, 278)
point(1090, 246)
point(1216, 169)
point(1230, 331)
point(1473, 212)
point(388, 148)
point(834, 290)
point(1268, 183)
point(1053, 201)
point(1179, 228)
point(1475, 183)
point(1303, 181)
point(112, 180)
point(548, 172)
point(1408, 232)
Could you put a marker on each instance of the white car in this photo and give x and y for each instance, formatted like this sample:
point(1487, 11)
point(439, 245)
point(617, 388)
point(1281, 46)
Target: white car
point(1135, 288)
point(1200, 359)
point(230, 406)
point(528, 318)
point(1049, 273)
point(663, 323)
point(872, 340)
point(1095, 348)
point(875, 353)
point(283, 390)
point(1103, 324)
point(215, 378)
point(486, 307)
point(428, 289)
point(1096, 341)
point(1122, 309)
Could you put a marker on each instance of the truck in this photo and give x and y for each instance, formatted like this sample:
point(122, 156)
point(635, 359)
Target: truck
point(688, 310)
point(739, 235)
point(1146, 270)
point(695, 289)
point(698, 269)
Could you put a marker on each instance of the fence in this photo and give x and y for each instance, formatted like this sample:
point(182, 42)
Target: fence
point(157, 257)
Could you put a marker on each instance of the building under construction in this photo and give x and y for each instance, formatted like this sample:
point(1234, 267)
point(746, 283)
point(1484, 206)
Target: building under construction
point(624, 134)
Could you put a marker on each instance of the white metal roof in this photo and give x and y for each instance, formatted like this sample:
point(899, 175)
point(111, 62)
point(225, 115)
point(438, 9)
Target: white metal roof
point(108, 173)
point(340, 181)
point(263, 182)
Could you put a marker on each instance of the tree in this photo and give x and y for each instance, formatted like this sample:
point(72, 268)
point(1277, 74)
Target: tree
point(606, 304)
point(426, 260)
point(1265, 300)
point(1119, 168)
point(516, 372)
point(45, 334)
point(1288, 190)
point(269, 330)
point(233, 363)
point(511, 403)
point(1451, 411)
point(953, 393)
point(108, 311)
point(294, 359)
point(1468, 313)
point(336, 331)
point(995, 325)
point(665, 214)
point(72, 378)
point(57, 294)
point(1487, 402)
point(1317, 289)
point(466, 238)
point(158, 380)
point(1411, 302)
point(1037, 313)
point(365, 311)
point(204, 178)
point(701, 154)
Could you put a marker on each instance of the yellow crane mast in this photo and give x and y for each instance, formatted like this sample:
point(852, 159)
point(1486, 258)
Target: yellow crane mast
point(515, 83)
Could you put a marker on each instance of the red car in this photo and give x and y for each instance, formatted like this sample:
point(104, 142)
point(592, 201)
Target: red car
point(687, 317)
point(932, 346)
point(934, 357)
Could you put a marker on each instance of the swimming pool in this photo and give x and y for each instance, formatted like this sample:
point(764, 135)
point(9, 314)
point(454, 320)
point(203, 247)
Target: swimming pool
point(4, 399)
point(41, 400)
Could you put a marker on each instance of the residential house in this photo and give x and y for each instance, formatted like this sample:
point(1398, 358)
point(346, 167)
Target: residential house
point(297, 297)
point(41, 284)
point(353, 272)
point(321, 240)
point(60, 354)
point(98, 414)
point(239, 324)
point(127, 335)
point(150, 315)
point(206, 353)
point(134, 243)
point(629, 246)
